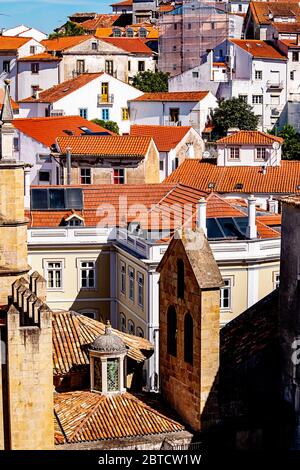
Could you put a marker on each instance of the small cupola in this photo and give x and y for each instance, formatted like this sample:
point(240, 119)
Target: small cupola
point(108, 363)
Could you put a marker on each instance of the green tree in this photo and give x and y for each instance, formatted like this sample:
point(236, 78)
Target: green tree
point(233, 113)
point(151, 82)
point(109, 125)
point(291, 144)
point(69, 29)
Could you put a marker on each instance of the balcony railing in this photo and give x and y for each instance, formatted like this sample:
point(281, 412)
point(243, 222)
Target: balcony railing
point(168, 122)
point(274, 85)
point(105, 99)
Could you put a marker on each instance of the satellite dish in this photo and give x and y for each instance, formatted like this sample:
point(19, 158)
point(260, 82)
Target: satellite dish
point(276, 145)
point(206, 154)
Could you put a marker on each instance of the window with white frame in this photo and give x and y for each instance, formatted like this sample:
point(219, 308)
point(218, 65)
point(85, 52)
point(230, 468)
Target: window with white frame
point(83, 112)
point(123, 277)
point(258, 75)
point(244, 98)
point(74, 222)
point(261, 153)
point(122, 323)
point(131, 283)
point(140, 332)
point(276, 280)
point(87, 274)
point(292, 75)
point(140, 280)
point(54, 274)
point(257, 99)
point(131, 327)
point(85, 176)
point(234, 153)
point(226, 294)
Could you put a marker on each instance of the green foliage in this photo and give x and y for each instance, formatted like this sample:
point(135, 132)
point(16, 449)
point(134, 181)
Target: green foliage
point(70, 29)
point(291, 145)
point(109, 125)
point(233, 113)
point(151, 82)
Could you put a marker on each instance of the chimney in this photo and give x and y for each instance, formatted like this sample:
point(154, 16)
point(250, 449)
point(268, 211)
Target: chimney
point(69, 165)
point(251, 231)
point(201, 215)
point(272, 205)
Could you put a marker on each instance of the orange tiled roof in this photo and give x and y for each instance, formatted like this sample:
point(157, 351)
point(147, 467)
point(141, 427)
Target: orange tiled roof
point(259, 49)
point(46, 130)
point(12, 43)
point(131, 45)
point(100, 21)
point(165, 137)
point(271, 220)
point(250, 138)
point(84, 416)
point(173, 96)
point(64, 42)
point(287, 27)
point(283, 179)
point(166, 8)
point(125, 3)
point(58, 92)
point(104, 32)
point(261, 11)
point(117, 145)
point(290, 43)
point(72, 332)
point(14, 105)
point(43, 57)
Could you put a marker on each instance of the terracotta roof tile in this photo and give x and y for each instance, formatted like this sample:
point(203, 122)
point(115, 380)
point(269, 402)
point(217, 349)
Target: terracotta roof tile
point(43, 57)
point(83, 416)
point(290, 43)
point(250, 138)
point(46, 130)
point(261, 11)
point(125, 3)
point(173, 96)
point(12, 43)
point(72, 333)
point(116, 145)
point(283, 179)
point(259, 49)
point(131, 45)
point(100, 21)
point(64, 42)
point(165, 137)
point(55, 93)
point(287, 27)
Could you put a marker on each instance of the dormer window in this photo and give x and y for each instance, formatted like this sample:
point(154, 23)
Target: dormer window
point(142, 33)
point(234, 153)
point(107, 363)
point(261, 153)
point(129, 33)
point(74, 220)
point(117, 33)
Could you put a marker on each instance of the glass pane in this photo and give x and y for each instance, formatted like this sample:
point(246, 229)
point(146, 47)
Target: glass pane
point(39, 199)
point(112, 375)
point(97, 374)
point(74, 198)
point(56, 198)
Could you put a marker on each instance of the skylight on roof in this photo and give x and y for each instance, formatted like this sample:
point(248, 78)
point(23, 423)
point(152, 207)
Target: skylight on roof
point(239, 186)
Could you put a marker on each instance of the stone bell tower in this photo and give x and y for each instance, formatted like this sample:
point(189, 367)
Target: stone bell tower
point(13, 224)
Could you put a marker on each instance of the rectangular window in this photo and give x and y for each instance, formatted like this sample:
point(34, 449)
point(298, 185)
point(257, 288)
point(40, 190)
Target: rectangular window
point(140, 279)
point(141, 66)
point(295, 56)
point(119, 176)
point(275, 99)
point(85, 176)
point(94, 46)
point(87, 274)
point(161, 165)
point(131, 283)
point(195, 74)
point(54, 274)
point(125, 114)
point(292, 75)
point(225, 295)
point(244, 98)
point(44, 176)
point(276, 280)
point(80, 66)
point(105, 114)
point(123, 277)
point(261, 153)
point(109, 67)
point(16, 143)
point(35, 67)
point(234, 153)
point(6, 66)
point(83, 112)
point(258, 74)
point(32, 49)
point(257, 99)
point(129, 66)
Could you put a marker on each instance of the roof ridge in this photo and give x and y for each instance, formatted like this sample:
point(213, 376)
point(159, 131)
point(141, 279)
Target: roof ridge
point(101, 398)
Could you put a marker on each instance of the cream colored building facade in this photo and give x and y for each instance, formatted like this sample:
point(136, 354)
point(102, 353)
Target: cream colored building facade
point(124, 284)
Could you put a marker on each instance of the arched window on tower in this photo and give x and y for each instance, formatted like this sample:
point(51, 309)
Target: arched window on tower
point(172, 331)
point(188, 338)
point(180, 279)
